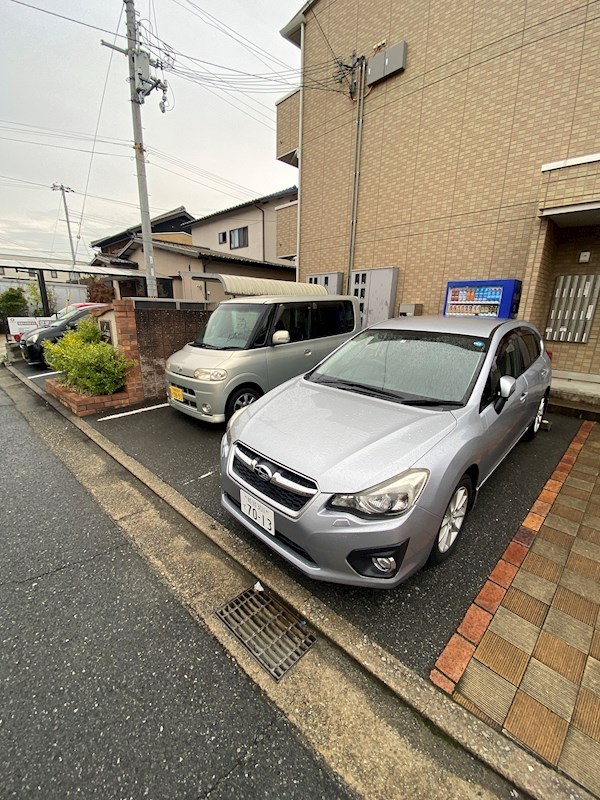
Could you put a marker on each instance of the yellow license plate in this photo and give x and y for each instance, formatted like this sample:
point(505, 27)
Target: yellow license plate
point(176, 393)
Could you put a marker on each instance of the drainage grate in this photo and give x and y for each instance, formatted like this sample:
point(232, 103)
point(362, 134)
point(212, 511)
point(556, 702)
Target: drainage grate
point(274, 636)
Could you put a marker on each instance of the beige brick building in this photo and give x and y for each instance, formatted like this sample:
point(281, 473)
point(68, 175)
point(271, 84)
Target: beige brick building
point(480, 159)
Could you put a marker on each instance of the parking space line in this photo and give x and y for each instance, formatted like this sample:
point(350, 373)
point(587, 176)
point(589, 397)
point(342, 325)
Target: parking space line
point(43, 375)
point(206, 475)
point(129, 413)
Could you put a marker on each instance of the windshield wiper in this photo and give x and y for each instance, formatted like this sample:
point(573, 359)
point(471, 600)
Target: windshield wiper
point(360, 388)
point(429, 401)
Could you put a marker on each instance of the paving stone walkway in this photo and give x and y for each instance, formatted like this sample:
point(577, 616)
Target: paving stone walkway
point(526, 657)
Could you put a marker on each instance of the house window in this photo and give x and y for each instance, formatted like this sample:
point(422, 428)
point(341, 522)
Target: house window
point(238, 238)
point(223, 237)
point(53, 273)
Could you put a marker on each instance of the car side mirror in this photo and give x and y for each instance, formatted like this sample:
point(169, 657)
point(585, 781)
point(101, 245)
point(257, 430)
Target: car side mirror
point(281, 337)
point(506, 389)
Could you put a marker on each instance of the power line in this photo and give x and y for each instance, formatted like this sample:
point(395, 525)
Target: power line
point(62, 16)
point(89, 172)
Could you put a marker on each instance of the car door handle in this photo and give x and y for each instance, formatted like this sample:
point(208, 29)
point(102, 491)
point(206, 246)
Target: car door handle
point(543, 373)
point(308, 352)
point(523, 397)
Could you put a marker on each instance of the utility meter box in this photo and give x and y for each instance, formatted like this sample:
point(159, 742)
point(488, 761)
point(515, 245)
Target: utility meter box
point(410, 309)
point(376, 292)
point(332, 281)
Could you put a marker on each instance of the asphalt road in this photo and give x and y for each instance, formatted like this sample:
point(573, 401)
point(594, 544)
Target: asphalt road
point(413, 621)
point(108, 687)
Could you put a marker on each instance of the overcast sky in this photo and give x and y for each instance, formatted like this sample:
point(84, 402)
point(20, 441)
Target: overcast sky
point(219, 135)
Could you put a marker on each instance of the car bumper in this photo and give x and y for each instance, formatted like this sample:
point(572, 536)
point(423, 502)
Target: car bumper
point(196, 395)
point(32, 353)
point(323, 543)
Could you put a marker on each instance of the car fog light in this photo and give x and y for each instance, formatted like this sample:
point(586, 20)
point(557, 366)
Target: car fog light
point(206, 408)
point(384, 563)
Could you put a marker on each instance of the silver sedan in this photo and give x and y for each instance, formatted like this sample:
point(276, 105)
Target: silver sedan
point(364, 469)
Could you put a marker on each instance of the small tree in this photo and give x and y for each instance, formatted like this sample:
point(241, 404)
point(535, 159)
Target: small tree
point(99, 292)
point(34, 297)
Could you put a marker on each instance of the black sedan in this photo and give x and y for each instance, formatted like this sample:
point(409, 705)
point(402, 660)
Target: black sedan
point(32, 343)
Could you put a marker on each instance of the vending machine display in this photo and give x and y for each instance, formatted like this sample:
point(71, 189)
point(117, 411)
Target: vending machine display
point(483, 298)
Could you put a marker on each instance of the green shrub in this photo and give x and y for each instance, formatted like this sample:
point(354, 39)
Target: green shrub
point(90, 366)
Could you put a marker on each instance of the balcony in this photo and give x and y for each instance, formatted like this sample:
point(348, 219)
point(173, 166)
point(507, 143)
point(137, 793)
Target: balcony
point(288, 115)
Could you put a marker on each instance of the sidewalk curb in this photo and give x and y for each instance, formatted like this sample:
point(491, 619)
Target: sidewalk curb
point(495, 750)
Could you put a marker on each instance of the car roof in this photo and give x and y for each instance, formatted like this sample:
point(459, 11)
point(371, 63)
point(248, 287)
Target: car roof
point(287, 298)
point(469, 326)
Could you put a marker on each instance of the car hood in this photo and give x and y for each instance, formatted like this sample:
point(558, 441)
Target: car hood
point(345, 441)
point(189, 359)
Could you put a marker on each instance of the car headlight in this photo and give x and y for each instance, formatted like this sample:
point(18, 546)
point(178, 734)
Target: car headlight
point(210, 374)
point(232, 419)
point(390, 498)
point(33, 339)
point(168, 366)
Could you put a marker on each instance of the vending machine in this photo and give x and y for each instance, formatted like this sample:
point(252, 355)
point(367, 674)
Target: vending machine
point(483, 298)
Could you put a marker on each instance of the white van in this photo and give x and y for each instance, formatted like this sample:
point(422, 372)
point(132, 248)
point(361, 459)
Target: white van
point(251, 344)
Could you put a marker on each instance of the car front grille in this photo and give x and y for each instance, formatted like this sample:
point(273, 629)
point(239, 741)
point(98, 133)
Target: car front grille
point(286, 488)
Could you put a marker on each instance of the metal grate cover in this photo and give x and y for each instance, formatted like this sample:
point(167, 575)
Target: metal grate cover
point(274, 636)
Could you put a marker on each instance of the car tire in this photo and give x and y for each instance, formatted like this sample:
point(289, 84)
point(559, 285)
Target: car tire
point(241, 397)
point(536, 424)
point(452, 522)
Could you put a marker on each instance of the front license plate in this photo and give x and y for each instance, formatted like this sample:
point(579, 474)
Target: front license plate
point(258, 512)
point(176, 393)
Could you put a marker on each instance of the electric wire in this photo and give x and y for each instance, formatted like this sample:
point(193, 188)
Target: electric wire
point(63, 16)
point(89, 172)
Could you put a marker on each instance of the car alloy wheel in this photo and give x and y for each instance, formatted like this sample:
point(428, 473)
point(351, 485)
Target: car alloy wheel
point(537, 420)
point(452, 521)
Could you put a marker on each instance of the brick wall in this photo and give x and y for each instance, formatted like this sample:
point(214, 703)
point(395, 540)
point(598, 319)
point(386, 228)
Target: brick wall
point(450, 178)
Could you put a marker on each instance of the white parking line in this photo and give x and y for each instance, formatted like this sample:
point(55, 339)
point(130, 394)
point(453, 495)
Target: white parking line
point(43, 375)
point(206, 475)
point(128, 413)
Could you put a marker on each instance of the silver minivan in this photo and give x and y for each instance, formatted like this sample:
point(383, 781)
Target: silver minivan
point(252, 344)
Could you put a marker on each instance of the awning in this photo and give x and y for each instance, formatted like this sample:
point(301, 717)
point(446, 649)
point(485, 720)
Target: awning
point(573, 216)
point(242, 285)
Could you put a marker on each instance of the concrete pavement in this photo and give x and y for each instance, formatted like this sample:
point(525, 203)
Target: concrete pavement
point(477, 737)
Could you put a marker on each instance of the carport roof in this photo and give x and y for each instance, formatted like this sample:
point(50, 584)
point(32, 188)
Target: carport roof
point(62, 266)
point(245, 285)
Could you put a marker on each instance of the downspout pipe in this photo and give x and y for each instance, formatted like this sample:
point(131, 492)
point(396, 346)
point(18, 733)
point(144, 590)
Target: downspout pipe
point(357, 155)
point(300, 132)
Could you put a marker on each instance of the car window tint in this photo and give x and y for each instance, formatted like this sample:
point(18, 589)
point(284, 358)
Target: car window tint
point(507, 361)
point(331, 319)
point(533, 346)
point(295, 319)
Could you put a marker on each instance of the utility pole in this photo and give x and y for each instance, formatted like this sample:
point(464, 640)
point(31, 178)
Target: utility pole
point(59, 187)
point(140, 85)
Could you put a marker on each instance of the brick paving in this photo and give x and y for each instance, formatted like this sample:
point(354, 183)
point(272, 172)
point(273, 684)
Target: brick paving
point(526, 657)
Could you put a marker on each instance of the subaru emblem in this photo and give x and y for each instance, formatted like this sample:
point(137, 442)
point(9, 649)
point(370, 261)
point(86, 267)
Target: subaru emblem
point(263, 472)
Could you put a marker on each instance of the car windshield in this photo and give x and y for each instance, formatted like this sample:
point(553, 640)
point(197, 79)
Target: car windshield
point(65, 317)
point(230, 327)
point(411, 367)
